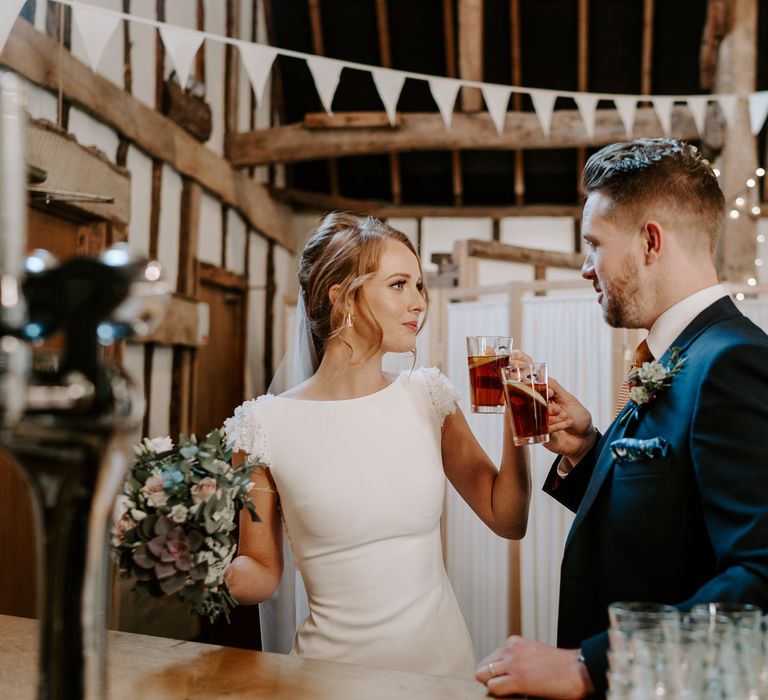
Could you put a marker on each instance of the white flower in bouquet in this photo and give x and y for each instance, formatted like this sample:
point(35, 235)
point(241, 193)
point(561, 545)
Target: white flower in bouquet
point(179, 513)
point(158, 444)
point(154, 490)
point(204, 490)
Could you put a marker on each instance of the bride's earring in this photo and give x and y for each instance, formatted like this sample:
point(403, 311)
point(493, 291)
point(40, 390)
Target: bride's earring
point(348, 321)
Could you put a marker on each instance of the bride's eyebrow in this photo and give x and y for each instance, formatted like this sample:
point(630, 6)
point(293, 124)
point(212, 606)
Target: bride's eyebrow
point(399, 274)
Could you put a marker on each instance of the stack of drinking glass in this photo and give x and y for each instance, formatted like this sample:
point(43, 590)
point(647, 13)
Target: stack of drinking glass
point(714, 651)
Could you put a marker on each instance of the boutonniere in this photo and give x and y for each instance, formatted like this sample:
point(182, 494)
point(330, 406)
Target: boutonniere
point(647, 381)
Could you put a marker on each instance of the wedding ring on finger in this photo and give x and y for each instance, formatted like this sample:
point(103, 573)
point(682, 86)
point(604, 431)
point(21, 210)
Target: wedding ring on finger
point(491, 669)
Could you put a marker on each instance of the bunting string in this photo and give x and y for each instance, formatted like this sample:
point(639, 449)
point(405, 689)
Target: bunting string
point(96, 25)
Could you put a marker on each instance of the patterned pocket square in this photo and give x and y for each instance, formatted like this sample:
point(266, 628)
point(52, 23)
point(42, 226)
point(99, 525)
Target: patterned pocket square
point(630, 450)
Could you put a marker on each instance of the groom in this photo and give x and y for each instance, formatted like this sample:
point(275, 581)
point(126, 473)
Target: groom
point(672, 502)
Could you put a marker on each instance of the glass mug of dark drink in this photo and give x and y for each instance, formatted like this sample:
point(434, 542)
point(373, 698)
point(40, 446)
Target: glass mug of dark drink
point(526, 391)
point(486, 355)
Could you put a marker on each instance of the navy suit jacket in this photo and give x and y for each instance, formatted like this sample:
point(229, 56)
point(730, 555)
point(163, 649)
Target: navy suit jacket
point(688, 527)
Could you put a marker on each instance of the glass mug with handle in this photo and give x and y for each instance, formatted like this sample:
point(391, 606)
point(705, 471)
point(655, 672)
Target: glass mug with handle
point(486, 356)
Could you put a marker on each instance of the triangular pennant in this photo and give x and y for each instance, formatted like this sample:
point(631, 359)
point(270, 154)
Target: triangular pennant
point(257, 60)
point(758, 110)
point(389, 83)
point(698, 109)
point(96, 28)
point(663, 107)
point(587, 104)
point(496, 101)
point(543, 103)
point(325, 73)
point(626, 106)
point(8, 13)
point(728, 105)
point(444, 91)
point(182, 45)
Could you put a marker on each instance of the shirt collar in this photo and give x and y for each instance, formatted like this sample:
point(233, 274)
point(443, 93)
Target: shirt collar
point(674, 320)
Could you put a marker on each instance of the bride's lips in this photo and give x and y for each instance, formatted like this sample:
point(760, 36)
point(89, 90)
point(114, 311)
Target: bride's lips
point(412, 325)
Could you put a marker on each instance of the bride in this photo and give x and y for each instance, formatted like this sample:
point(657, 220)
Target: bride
point(355, 462)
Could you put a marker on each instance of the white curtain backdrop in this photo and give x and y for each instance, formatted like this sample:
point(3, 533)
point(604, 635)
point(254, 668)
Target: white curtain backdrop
point(476, 559)
point(570, 335)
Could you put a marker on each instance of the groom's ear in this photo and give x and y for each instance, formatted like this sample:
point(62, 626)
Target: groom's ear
point(653, 239)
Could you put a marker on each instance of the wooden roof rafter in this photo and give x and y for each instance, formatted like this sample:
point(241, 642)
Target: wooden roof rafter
point(322, 136)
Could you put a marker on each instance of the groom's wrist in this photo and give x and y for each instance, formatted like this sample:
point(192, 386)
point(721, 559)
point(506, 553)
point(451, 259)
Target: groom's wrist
point(569, 461)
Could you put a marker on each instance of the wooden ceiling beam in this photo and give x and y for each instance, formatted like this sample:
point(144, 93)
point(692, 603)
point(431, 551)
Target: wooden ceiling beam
point(426, 132)
point(646, 70)
point(516, 69)
point(450, 71)
point(471, 51)
point(385, 56)
point(495, 250)
point(316, 201)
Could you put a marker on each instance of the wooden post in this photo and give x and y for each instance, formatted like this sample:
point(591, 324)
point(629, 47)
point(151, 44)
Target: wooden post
point(450, 71)
point(736, 73)
point(517, 98)
point(471, 51)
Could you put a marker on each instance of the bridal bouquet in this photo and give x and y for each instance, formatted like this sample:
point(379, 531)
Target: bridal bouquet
point(174, 522)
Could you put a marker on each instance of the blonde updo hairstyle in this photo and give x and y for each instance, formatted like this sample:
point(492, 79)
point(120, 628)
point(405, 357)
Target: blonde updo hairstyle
point(345, 250)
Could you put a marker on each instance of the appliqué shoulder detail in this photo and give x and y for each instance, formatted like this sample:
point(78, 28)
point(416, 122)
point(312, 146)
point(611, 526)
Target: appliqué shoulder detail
point(441, 392)
point(245, 432)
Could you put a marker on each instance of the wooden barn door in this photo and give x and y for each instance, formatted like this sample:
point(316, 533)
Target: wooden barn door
point(219, 384)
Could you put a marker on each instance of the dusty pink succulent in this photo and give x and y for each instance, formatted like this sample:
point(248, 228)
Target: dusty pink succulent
point(168, 552)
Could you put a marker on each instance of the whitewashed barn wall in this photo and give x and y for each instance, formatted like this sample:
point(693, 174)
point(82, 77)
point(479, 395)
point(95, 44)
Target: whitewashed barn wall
point(143, 52)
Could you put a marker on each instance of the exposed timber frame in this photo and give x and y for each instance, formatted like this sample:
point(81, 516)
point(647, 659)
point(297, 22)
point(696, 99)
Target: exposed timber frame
point(425, 131)
point(37, 58)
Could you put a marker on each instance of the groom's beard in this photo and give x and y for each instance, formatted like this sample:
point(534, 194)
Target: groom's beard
point(622, 296)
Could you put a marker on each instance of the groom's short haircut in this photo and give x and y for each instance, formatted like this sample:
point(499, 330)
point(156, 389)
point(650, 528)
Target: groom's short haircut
point(667, 174)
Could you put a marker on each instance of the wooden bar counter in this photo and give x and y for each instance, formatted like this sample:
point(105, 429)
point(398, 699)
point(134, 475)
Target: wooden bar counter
point(156, 668)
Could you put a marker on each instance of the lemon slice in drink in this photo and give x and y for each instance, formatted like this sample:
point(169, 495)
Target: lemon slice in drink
point(478, 362)
point(528, 390)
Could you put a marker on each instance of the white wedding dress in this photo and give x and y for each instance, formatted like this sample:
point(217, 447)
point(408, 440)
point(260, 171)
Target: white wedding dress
point(361, 488)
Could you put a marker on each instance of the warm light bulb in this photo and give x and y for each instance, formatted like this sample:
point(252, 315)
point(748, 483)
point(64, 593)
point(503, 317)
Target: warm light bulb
point(733, 214)
point(760, 238)
point(759, 262)
point(751, 182)
point(760, 172)
point(740, 296)
point(716, 172)
point(756, 211)
point(739, 201)
point(751, 281)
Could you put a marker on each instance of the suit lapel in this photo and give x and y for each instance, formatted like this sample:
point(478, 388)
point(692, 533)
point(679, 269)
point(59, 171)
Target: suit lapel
point(720, 310)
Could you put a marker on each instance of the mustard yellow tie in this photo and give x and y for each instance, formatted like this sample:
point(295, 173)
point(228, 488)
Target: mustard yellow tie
point(642, 354)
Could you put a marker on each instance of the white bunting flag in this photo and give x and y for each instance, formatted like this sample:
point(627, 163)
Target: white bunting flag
point(543, 104)
point(728, 104)
point(587, 105)
point(257, 60)
point(444, 91)
point(96, 28)
point(758, 110)
point(496, 101)
point(9, 11)
point(389, 83)
point(626, 107)
point(697, 106)
point(325, 73)
point(663, 107)
point(182, 45)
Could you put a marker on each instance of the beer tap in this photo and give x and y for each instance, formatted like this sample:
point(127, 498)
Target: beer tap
point(67, 424)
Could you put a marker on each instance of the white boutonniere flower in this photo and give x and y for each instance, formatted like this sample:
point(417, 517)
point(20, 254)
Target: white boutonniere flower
point(647, 381)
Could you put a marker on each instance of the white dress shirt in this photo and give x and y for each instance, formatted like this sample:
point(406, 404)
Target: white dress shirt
point(674, 320)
